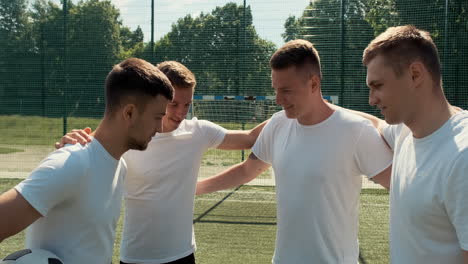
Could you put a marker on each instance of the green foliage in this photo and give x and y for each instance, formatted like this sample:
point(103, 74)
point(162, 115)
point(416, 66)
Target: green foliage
point(341, 35)
point(381, 14)
point(46, 72)
point(222, 48)
point(450, 33)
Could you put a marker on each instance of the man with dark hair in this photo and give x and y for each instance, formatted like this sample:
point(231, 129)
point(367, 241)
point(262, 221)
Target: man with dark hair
point(429, 137)
point(71, 201)
point(318, 153)
point(160, 187)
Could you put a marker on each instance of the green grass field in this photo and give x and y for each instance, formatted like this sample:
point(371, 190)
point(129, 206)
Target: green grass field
point(4, 150)
point(35, 130)
point(35, 136)
point(239, 226)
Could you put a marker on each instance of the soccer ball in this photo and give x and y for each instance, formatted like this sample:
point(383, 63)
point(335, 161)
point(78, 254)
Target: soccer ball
point(32, 256)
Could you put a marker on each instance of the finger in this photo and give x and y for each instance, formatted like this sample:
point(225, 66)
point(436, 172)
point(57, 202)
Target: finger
point(88, 130)
point(77, 137)
point(58, 145)
point(67, 139)
point(83, 135)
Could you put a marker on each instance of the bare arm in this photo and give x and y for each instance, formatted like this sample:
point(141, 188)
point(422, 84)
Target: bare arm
point(82, 136)
point(16, 214)
point(241, 139)
point(465, 256)
point(384, 177)
point(234, 176)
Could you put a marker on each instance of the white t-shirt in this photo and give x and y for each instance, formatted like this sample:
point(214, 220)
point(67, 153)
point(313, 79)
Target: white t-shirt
point(78, 190)
point(160, 190)
point(429, 193)
point(318, 172)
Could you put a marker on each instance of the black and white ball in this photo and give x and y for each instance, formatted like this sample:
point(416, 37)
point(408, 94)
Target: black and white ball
point(32, 256)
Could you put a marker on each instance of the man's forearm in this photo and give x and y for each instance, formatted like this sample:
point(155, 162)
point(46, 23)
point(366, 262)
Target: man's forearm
point(229, 178)
point(255, 132)
point(241, 139)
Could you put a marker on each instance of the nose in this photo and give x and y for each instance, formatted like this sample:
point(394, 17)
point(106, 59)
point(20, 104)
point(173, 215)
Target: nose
point(372, 98)
point(158, 127)
point(181, 112)
point(279, 99)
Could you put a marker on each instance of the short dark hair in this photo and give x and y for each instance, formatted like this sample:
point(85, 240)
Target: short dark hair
point(135, 79)
point(179, 75)
point(403, 45)
point(297, 53)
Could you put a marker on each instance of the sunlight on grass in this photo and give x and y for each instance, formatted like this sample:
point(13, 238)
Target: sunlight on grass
point(4, 150)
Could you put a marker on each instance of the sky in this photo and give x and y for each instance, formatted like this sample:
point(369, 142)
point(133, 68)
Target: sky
point(268, 15)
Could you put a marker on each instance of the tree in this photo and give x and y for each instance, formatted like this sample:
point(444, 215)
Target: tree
point(292, 28)
point(130, 38)
point(340, 36)
point(381, 14)
point(17, 50)
point(223, 49)
point(447, 21)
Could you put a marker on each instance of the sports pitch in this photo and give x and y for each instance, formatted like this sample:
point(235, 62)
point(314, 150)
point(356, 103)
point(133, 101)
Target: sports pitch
point(238, 226)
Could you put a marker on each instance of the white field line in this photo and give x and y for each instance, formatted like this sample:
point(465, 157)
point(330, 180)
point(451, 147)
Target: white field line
point(274, 202)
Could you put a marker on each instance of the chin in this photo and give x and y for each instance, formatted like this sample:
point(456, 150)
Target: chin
point(392, 121)
point(290, 115)
point(138, 145)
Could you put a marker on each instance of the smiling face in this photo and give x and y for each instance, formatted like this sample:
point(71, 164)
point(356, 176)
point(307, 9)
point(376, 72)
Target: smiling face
point(177, 110)
point(389, 92)
point(293, 91)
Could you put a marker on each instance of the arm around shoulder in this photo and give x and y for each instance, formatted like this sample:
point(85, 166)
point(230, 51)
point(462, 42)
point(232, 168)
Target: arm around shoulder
point(234, 176)
point(241, 139)
point(16, 212)
point(384, 177)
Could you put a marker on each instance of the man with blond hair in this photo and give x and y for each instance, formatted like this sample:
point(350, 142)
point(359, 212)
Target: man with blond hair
point(429, 137)
point(160, 186)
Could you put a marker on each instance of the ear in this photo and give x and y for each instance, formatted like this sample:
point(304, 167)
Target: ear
point(418, 73)
point(129, 113)
point(315, 83)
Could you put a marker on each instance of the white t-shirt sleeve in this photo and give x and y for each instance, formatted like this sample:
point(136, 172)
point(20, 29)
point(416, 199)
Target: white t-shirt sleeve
point(213, 134)
point(372, 154)
point(263, 144)
point(456, 197)
point(52, 182)
point(391, 133)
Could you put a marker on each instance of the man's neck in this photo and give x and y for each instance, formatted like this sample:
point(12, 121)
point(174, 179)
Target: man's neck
point(113, 142)
point(430, 115)
point(318, 113)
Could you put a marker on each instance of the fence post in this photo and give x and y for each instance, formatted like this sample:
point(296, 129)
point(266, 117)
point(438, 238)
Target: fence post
point(342, 31)
point(65, 64)
point(152, 31)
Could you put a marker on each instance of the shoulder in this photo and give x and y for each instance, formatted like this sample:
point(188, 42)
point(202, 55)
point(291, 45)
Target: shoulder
point(70, 156)
point(277, 121)
point(352, 122)
point(279, 118)
point(351, 118)
point(202, 125)
point(62, 167)
point(459, 127)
